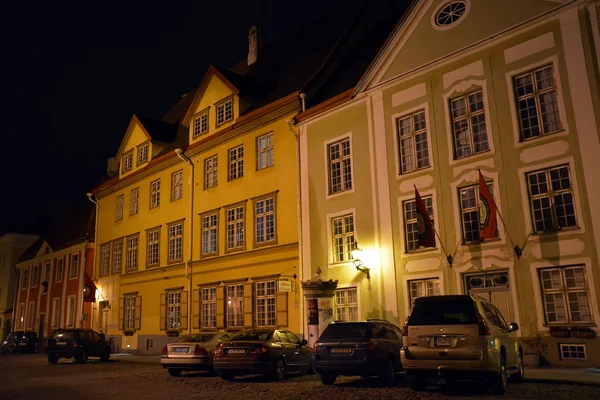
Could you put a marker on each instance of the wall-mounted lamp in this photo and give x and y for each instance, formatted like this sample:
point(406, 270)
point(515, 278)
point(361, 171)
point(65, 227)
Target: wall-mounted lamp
point(356, 259)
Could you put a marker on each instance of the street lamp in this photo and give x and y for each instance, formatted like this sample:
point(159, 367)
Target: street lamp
point(356, 259)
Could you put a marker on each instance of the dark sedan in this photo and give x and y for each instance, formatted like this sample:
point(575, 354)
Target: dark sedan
point(20, 341)
point(192, 352)
point(269, 352)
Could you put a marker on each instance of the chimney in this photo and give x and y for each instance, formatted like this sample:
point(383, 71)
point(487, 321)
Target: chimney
point(254, 44)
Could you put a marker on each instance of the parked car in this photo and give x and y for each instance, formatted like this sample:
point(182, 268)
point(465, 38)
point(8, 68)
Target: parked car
point(192, 352)
point(77, 343)
point(460, 337)
point(270, 352)
point(364, 348)
point(20, 341)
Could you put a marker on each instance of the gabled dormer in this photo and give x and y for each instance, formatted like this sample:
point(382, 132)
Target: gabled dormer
point(144, 139)
point(44, 249)
point(216, 104)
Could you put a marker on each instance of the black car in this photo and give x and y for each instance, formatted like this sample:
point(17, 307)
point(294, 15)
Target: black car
point(366, 348)
point(20, 341)
point(77, 343)
point(269, 352)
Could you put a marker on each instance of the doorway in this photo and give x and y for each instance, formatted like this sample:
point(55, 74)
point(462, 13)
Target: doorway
point(494, 286)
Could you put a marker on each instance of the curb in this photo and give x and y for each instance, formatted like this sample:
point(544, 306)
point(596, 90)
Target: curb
point(561, 381)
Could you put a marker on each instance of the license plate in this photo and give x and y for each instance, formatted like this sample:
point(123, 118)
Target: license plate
point(443, 341)
point(181, 349)
point(22, 344)
point(61, 343)
point(236, 351)
point(341, 350)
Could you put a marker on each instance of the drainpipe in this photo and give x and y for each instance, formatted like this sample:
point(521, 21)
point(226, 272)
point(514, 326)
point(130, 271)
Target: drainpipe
point(81, 282)
point(290, 124)
point(96, 254)
point(188, 264)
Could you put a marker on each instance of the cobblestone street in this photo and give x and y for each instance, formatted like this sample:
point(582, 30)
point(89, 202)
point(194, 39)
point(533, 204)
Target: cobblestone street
point(29, 376)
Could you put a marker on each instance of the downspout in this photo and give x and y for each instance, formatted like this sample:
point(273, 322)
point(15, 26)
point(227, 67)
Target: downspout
point(16, 303)
point(96, 253)
point(290, 124)
point(188, 264)
point(81, 282)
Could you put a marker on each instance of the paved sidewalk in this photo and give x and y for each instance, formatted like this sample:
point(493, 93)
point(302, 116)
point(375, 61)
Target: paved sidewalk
point(588, 376)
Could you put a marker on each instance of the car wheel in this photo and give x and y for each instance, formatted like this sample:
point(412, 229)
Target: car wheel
point(387, 373)
point(328, 379)
point(52, 358)
point(226, 376)
point(279, 369)
point(519, 376)
point(82, 358)
point(174, 372)
point(500, 381)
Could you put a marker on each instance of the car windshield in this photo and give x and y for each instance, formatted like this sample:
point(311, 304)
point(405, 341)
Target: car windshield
point(346, 331)
point(64, 335)
point(262, 336)
point(443, 312)
point(200, 337)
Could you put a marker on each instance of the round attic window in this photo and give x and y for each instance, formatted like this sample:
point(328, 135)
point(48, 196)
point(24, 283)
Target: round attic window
point(450, 14)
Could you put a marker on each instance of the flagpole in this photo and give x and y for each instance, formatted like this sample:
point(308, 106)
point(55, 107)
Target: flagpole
point(449, 258)
point(518, 251)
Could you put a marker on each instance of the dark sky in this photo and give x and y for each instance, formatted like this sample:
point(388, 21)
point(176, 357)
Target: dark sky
point(73, 73)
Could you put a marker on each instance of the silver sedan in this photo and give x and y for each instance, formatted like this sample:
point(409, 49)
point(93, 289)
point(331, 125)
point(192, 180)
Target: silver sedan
point(192, 352)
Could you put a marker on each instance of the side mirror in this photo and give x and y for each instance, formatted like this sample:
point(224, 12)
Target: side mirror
point(303, 342)
point(513, 327)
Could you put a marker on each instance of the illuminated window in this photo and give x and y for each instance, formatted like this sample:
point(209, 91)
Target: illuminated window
point(340, 166)
point(155, 193)
point(343, 237)
point(173, 310)
point(265, 303)
point(346, 304)
point(176, 242)
point(235, 306)
point(129, 312)
point(236, 163)
point(208, 316)
point(235, 228)
point(153, 247)
point(264, 151)
point(422, 288)
point(469, 128)
point(264, 214)
point(211, 170)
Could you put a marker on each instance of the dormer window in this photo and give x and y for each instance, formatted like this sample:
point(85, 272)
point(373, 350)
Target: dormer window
point(126, 163)
point(201, 123)
point(225, 111)
point(142, 154)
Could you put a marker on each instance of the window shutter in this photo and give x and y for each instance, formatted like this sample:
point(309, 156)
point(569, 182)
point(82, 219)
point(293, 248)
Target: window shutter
point(196, 309)
point(121, 312)
point(220, 306)
point(138, 313)
point(282, 309)
point(163, 311)
point(183, 312)
point(248, 304)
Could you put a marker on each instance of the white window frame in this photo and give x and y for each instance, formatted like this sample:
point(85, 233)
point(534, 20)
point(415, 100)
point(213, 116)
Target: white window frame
point(153, 247)
point(572, 348)
point(328, 170)
point(208, 311)
point(105, 259)
point(405, 221)
point(155, 193)
point(132, 253)
point(120, 207)
point(348, 238)
point(211, 172)
point(127, 162)
point(134, 202)
point(328, 222)
point(175, 237)
point(142, 153)
point(25, 278)
point(35, 275)
point(177, 185)
point(173, 311)
point(117, 257)
point(553, 60)
point(235, 163)
point(468, 118)
point(200, 124)
point(268, 218)
point(266, 303)
point(346, 305)
point(459, 89)
point(74, 266)
point(71, 311)
point(475, 187)
point(129, 312)
point(411, 113)
point(224, 111)
point(55, 312)
point(210, 234)
point(264, 151)
point(58, 275)
point(235, 305)
point(425, 281)
point(235, 233)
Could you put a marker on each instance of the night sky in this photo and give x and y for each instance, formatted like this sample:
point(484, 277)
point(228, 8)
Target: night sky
point(74, 72)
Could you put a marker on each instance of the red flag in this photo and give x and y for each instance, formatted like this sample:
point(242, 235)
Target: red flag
point(487, 211)
point(89, 289)
point(425, 232)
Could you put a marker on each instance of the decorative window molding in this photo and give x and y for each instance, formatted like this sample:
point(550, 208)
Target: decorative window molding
point(210, 233)
point(200, 124)
point(211, 172)
point(155, 194)
point(173, 310)
point(235, 222)
point(120, 206)
point(343, 237)
point(208, 315)
point(450, 14)
point(235, 306)
point(235, 163)
point(153, 247)
point(142, 153)
point(470, 213)
point(132, 252)
point(134, 202)
point(266, 303)
point(224, 111)
point(117, 257)
point(177, 185)
point(338, 159)
point(412, 138)
point(265, 220)
point(127, 161)
point(346, 304)
point(409, 211)
point(264, 151)
point(129, 313)
point(105, 259)
point(175, 232)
